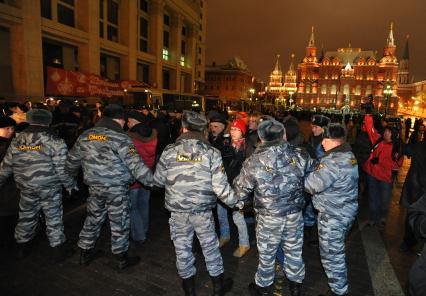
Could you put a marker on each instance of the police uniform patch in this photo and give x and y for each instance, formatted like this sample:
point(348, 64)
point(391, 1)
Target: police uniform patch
point(354, 162)
point(188, 158)
point(132, 150)
point(268, 169)
point(29, 148)
point(97, 137)
point(320, 166)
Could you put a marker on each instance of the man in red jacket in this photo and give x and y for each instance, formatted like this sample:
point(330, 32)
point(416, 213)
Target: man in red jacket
point(145, 140)
point(382, 161)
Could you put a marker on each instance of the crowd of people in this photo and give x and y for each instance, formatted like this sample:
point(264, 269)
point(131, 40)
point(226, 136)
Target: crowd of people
point(253, 167)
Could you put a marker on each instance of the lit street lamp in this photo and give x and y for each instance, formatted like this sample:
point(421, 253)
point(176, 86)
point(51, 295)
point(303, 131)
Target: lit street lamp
point(388, 93)
point(291, 98)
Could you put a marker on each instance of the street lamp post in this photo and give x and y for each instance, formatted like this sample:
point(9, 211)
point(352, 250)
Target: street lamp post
point(388, 93)
point(291, 98)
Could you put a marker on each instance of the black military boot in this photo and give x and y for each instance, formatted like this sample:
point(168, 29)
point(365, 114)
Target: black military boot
point(256, 290)
point(221, 285)
point(87, 256)
point(331, 293)
point(124, 261)
point(295, 288)
point(62, 252)
point(23, 249)
point(188, 286)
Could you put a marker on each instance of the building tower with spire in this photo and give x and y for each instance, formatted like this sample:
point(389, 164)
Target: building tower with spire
point(403, 70)
point(290, 78)
point(275, 86)
point(308, 74)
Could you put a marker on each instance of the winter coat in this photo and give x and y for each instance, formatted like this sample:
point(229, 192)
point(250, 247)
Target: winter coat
point(9, 194)
point(275, 172)
point(382, 151)
point(334, 183)
point(146, 147)
point(415, 181)
point(108, 157)
point(36, 158)
point(191, 170)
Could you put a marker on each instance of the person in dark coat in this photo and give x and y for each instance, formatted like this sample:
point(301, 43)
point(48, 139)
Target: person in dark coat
point(176, 125)
point(217, 127)
point(417, 274)
point(407, 127)
point(414, 187)
point(9, 194)
point(161, 124)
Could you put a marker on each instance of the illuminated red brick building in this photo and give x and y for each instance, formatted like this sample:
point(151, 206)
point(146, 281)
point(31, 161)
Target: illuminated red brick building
point(350, 74)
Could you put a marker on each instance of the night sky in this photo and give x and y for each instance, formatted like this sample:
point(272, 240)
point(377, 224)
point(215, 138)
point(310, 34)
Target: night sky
point(257, 30)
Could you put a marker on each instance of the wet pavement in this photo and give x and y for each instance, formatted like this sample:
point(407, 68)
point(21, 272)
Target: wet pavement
point(372, 256)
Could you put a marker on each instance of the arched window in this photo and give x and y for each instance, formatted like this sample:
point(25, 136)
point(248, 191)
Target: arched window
point(323, 89)
point(358, 90)
point(346, 89)
point(308, 89)
point(368, 90)
point(333, 89)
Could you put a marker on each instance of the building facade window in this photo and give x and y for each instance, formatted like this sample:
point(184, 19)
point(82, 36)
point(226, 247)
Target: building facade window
point(166, 79)
point(333, 89)
point(166, 36)
point(358, 90)
point(165, 54)
point(143, 5)
point(65, 11)
point(110, 67)
point(323, 89)
point(143, 34)
point(143, 72)
point(110, 9)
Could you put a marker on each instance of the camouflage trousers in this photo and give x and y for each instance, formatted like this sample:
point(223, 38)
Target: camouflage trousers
point(48, 200)
point(182, 228)
point(103, 201)
point(331, 234)
point(270, 233)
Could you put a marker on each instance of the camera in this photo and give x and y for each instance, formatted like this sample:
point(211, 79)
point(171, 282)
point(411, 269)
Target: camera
point(368, 107)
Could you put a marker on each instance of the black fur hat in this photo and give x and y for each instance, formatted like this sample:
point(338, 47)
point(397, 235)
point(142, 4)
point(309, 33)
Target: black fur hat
point(39, 117)
point(334, 131)
point(114, 111)
point(270, 130)
point(218, 117)
point(320, 120)
point(6, 121)
point(193, 121)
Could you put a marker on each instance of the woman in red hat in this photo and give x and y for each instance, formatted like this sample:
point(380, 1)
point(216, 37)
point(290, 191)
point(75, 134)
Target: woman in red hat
point(233, 157)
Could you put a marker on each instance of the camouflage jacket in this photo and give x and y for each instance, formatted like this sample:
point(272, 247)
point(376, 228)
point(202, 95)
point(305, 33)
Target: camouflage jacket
point(334, 183)
point(192, 173)
point(36, 158)
point(275, 172)
point(108, 157)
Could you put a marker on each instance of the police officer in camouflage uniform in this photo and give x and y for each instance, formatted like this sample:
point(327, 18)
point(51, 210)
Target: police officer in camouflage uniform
point(192, 173)
point(36, 158)
point(275, 173)
point(110, 164)
point(334, 189)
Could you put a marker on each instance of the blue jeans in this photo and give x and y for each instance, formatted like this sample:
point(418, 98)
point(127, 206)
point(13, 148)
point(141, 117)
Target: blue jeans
point(139, 213)
point(379, 197)
point(309, 216)
point(222, 216)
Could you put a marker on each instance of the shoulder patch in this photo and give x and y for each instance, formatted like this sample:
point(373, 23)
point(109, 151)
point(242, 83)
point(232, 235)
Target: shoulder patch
point(354, 162)
point(97, 137)
point(268, 169)
point(132, 150)
point(320, 166)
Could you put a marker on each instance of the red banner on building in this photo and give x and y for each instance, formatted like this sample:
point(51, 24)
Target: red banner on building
point(61, 82)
